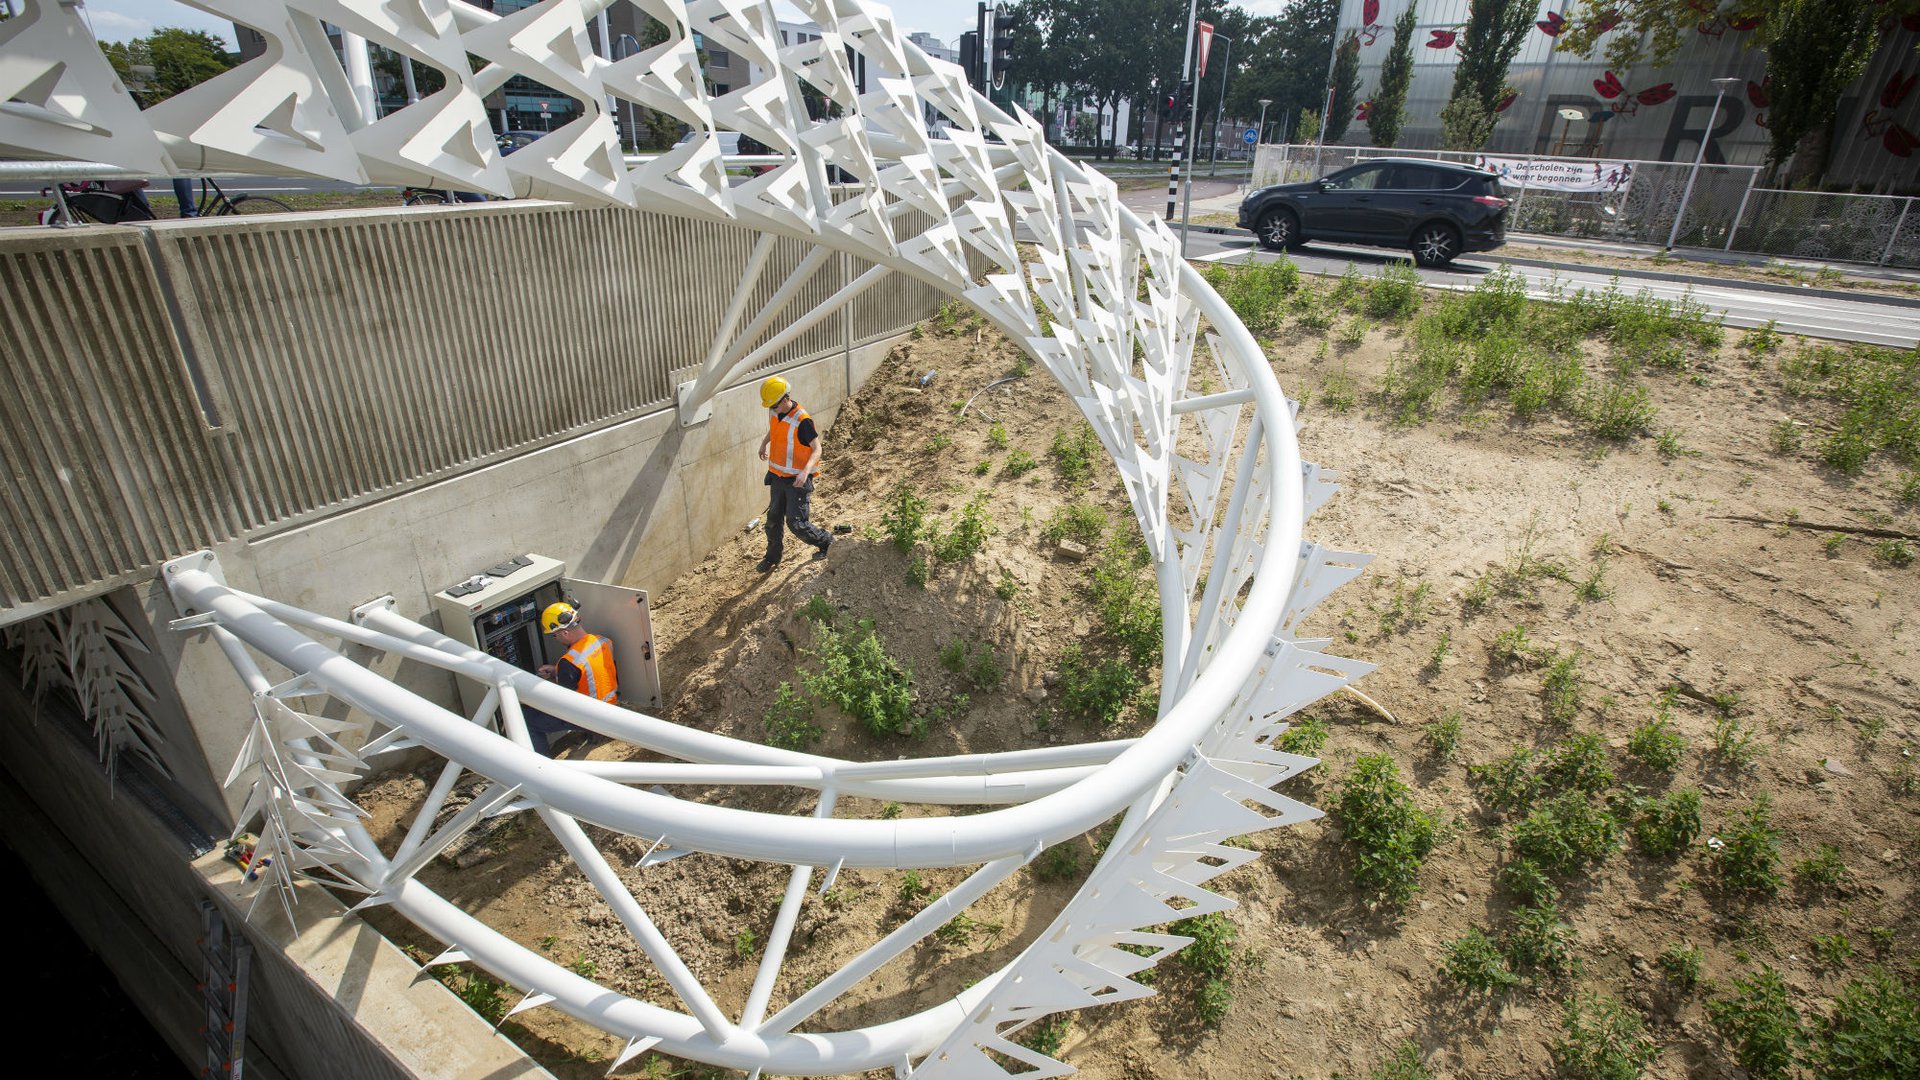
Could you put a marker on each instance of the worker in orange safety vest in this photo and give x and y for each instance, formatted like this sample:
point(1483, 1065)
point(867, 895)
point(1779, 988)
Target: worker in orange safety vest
point(586, 668)
point(792, 453)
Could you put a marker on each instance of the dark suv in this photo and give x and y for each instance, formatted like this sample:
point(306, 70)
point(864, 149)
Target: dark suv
point(1435, 208)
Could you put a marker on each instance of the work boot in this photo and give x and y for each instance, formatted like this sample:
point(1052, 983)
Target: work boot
point(821, 551)
point(766, 566)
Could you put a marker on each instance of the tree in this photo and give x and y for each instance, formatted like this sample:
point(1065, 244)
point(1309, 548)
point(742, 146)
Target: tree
point(1815, 50)
point(1494, 31)
point(156, 67)
point(1396, 75)
point(1346, 87)
point(1287, 61)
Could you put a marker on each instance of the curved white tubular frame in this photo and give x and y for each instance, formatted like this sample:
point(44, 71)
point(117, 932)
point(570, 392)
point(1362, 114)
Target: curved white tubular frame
point(1119, 330)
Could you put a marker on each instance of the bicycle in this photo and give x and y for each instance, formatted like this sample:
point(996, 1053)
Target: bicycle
point(115, 201)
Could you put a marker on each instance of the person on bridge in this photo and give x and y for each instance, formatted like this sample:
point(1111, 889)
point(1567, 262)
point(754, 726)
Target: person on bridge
point(586, 668)
point(792, 453)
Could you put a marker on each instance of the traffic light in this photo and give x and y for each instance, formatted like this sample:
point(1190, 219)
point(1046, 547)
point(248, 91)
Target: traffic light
point(970, 58)
point(1004, 25)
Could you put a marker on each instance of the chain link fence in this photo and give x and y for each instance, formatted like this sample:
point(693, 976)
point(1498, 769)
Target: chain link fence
point(1726, 208)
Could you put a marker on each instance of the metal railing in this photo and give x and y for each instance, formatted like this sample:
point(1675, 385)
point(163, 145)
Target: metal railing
point(1727, 208)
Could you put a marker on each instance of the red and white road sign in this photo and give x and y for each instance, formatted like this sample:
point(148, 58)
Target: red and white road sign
point(1206, 46)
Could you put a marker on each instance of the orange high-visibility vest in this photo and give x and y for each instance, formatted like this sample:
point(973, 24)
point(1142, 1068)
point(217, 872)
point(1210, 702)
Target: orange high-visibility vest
point(786, 456)
point(593, 655)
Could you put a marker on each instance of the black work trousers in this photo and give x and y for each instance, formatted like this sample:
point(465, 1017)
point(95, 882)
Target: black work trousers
point(790, 504)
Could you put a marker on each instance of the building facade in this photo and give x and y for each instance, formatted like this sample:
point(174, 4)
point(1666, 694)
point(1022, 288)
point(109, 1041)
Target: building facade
point(1647, 112)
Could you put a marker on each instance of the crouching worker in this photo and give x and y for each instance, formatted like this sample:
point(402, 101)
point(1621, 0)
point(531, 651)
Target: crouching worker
point(587, 668)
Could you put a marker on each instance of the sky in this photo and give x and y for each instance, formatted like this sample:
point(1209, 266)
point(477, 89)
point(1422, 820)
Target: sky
point(118, 20)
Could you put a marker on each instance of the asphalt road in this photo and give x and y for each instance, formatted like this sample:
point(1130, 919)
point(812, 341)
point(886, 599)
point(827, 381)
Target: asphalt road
point(265, 185)
point(1740, 304)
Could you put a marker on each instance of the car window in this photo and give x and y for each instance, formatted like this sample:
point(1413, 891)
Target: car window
point(1407, 178)
point(1359, 179)
point(1442, 179)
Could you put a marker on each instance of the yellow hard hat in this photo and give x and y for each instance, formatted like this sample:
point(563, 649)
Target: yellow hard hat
point(558, 616)
point(772, 391)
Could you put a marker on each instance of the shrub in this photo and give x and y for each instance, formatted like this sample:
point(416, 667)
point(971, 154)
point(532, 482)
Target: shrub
point(1074, 453)
point(966, 533)
point(1561, 689)
point(789, 720)
point(1507, 783)
point(1568, 834)
point(905, 520)
point(1760, 1024)
point(1656, 744)
point(1057, 863)
point(818, 609)
point(1305, 735)
point(1082, 522)
point(1019, 463)
point(997, 435)
point(1578, 763)
point(1668, 824)
point(1822, 869)
point(1403, 1065)
point(1527, 882)
point(1832, 950)
point(1214, 1001)
point(1602, 1040)
point(1735, 741)
point(918, 571)
point(1257, 292)
point(973, 661)
point(1390, 835)
point(1747, 858)
point(857, 675)
point(1395, 294)
point(1874, 1031)
point(1047, 1035)
point(1680, 964)
point(913, 888)
point(1127, 600)
point(1096, 691)
point(1474, 961)
point(1619, 411)
point(1211, 952)
point(1542, 942)
point(1443, 734)
point(1512, 649)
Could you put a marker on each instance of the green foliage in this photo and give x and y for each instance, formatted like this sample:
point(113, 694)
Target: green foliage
point(818, 609)
point(1618, 411)
point(905, 521)
point(1079, 521)
point(918, 571)
point(743, 943)
point(1390, 835)
point(997, 435)
point(1396, 75)
point(1408, 608)
point(1475, 962)
point(1880, 391)
point(1760, 1024)
point(1127, 600)
point(1681, 964)
point(1602, 1040)
point(857, 675)
point(1074, 453)
point(1784, 436)
point(789, 720)
point(1305, 735)
point(1823, 869)
point(1211, 952)
point(1007, 587)
point(1047, 1035)
point(1577, 763)
point(1095, 691)
point(1562, 689)
point(1656, 744)
point(1260, 293)
point(1057, 863)
point(1747, 860)
point(1831, 950)
point(179, 59)
point(1666, 825)
point(1541, 943)
point(1443, 735)
point(1019, 463)
point(966, 533)
point(1395, 294)
point(913, 889)
point(1567, 834)
point(1213, 1002)
point(1895, 552)
point(1405, 1062)
point(974, 662)
point(1512, 649)
point(1529, 883)
point(481, 994)
point(1507, 783)
point(1874, 1031)
point(1735, 741)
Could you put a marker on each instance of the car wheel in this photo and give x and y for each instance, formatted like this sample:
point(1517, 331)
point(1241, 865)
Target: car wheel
point(1436, 245)
point(1277, 229)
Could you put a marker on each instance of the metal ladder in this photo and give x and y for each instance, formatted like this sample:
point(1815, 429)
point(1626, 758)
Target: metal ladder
point(224, 990)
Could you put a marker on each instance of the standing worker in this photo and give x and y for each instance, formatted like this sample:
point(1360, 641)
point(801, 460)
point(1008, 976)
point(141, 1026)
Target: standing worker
point(586, 668)
point(792, 453)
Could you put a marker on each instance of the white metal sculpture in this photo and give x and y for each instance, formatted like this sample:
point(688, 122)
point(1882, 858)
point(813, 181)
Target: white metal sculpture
point(1119, 330)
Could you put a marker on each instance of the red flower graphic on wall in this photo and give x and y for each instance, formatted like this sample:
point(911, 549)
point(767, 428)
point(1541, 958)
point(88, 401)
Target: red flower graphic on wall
point(1744, 23)
point(1609, 20)
point(1442, 39)
point(1760, 93)
point(1365, 111)
point(1507, 101)
point(1609, 87)
point(1655, 95)
point(1896, 90)
point(1372, 11)
point(1553, 24)
point(1899, 141)
point(1628, 102)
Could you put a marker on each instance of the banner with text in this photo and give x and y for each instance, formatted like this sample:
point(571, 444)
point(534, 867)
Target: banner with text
point(1608, 176)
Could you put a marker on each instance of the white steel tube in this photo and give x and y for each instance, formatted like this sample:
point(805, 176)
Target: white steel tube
point(1700, 155)
point(782, 933)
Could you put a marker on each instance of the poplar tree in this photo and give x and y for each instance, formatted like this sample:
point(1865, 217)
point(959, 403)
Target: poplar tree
point(1396, 74)
point(1495, 29)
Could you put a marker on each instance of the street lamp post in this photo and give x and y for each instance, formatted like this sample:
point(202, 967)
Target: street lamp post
point(1220, 107)
point(1264, 102)
point(1720, 91)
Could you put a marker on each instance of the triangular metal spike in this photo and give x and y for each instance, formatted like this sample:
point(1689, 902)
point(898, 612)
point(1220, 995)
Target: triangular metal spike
point(633, 1049)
